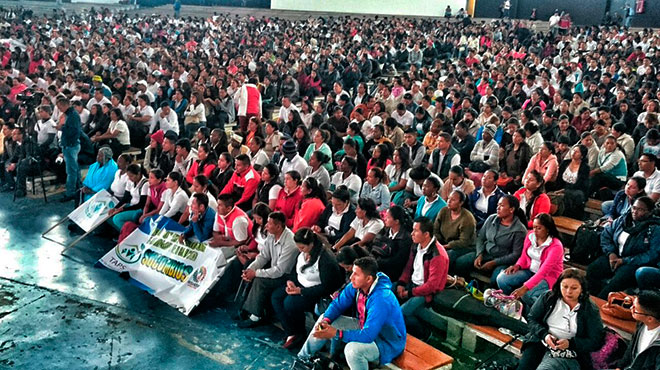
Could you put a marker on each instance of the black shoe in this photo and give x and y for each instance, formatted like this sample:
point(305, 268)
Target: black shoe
point(20, 194)
point(7, 188)
point(240, 315)
point(247, 323)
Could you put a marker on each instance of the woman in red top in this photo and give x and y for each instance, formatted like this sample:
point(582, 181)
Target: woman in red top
point(312, 206)
point(289, 198)
point(204, 165)
point(532, 197)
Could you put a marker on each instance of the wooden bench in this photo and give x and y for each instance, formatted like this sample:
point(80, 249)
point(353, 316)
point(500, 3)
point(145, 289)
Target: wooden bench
point(491, 335)
point(420, 356)
point(594, 207)
point(567, 225)
point(624, 327)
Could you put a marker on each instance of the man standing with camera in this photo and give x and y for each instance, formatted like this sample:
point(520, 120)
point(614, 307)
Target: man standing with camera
point(69, 124)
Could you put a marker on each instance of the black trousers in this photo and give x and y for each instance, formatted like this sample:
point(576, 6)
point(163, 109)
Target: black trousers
point(599, 271)
point(532, 355)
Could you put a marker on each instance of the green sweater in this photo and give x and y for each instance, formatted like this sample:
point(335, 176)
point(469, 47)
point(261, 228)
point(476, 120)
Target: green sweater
point(458, 233)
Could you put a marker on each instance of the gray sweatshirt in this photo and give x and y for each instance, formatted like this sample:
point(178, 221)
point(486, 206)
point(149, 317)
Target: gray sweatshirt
point(503, 243)
point(281, 254)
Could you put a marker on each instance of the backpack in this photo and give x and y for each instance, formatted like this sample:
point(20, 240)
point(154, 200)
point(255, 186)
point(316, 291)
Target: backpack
point(585, 247)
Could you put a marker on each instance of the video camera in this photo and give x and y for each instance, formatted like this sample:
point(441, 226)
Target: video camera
point(30, 98)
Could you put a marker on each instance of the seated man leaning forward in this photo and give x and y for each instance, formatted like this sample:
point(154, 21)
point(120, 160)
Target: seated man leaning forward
point(376, 335)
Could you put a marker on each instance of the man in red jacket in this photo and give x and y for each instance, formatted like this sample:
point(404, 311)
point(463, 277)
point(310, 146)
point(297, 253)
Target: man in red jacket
point(243, 183)
point(425, 274)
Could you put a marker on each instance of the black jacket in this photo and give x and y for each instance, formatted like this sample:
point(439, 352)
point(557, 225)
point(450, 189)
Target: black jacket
point(647, 360)
point(344, 225)
point(590, 331)
point(393, 264)
point(331, 277)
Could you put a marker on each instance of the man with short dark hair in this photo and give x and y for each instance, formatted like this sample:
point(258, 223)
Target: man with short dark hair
point(376, 335)
point(276, 259)
point(232, 227)
point(643, 353)
point(424, 275)
point(243, 183)
point(444, 157)
point(69, 124)
point(167, 157)
point(185, 156)
point(202, 219)
point(16, 163)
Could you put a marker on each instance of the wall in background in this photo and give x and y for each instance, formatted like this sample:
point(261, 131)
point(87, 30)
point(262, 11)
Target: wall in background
point(398, 7)
point(583, 12)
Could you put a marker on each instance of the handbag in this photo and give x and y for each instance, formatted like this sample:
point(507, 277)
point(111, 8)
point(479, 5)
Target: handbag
point(618, 305)
point(505, 304)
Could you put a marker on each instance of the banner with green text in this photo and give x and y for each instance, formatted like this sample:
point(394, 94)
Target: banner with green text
point(179, 274)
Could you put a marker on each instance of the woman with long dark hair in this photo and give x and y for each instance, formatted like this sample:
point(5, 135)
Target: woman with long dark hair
point(391, 247)
point(269, 186)
point(539, 265)
point(337, 217)
point(573, 178)
point(175, 199)
point(564, 327)
point(364, 228)
point(532, 197)
point(289, 197)
point(204, 165)
point(131, 204)
point(312, 205)
point(317, 274)
point(223, 172)
point(317, 169)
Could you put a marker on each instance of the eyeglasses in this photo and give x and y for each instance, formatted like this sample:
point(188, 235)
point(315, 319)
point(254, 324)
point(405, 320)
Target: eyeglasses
point(635, 312)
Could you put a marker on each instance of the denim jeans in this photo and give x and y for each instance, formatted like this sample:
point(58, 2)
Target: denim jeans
point(648, 278)
point(358, 355)
point(415, 327)
point(73, 178)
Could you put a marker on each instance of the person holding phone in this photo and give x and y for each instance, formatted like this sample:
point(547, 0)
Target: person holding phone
point(564, 327)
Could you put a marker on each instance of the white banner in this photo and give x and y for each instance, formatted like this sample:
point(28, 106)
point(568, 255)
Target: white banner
point(180, 274)
point(94, 211)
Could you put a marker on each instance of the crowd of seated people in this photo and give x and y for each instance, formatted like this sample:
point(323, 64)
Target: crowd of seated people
point(335, 160)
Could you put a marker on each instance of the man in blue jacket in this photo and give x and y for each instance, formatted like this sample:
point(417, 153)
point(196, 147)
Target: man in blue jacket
point(201, 219)
point(376, 335)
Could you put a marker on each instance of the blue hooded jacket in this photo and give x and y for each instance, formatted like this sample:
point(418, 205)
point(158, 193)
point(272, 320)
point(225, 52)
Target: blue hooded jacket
point(384, 323)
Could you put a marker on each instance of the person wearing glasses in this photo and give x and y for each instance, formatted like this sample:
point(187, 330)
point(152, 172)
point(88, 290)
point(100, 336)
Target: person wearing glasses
point(644, 349)
point(628, 243)
point(564, 327)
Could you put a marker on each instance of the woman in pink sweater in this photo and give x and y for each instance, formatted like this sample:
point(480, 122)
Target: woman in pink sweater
point(539, 265)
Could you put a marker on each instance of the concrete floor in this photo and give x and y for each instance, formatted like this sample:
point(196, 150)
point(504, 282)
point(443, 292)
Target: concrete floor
point(60, 312)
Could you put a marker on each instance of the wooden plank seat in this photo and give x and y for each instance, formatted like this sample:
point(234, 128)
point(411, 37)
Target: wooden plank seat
point(594, 207)
point(567, 225)
point(494, 336)
point(421, 356)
